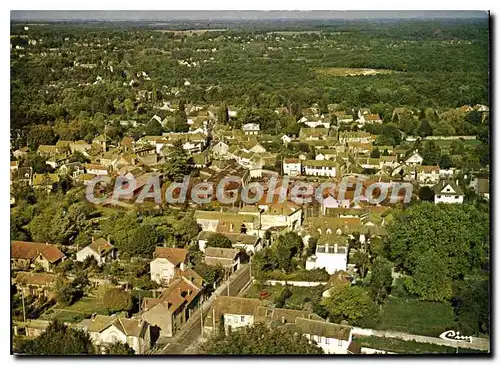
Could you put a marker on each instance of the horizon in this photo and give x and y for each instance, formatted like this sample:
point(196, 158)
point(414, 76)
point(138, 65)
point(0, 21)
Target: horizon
point(227, 15)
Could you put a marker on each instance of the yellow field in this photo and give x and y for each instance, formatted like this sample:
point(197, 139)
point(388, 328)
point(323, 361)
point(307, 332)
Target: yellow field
point(344, 71)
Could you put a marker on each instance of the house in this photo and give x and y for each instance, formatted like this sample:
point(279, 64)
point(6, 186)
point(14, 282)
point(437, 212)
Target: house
point(100, 249)
point(96, 169)
point(107, 330)
point(36, 284)
point(448, 192)
point(21, 152)
point(220, 150)
point(482, 188)
point(227, 222)
point(427, 175)
point(72, 169)
point(251, 128)
point(228, 258)
point(249, 243)
point(45, 181)
point(25, 255)
point(332, 338)
point(47, 150)
point(370, 119)
point(102, 141)
point(414, 159)
point(292, 167)
point(330, 257)
point(286, 139)
point(165, 261)
point(168, 313)
point(79, 146)
point(343, 118)
point(313, 134)
point(318, 123)
point(361, 137)
point(320, 168)
point(363, 111)
point(231, 312)
point(286, 214)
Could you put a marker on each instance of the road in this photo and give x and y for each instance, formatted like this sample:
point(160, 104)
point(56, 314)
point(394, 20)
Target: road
point(188, 338)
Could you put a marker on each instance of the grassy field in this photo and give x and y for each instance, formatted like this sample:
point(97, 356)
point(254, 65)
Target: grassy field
point(417, 317)
point(77, 311)
point(300, 299)
point(343, 71)
point(407, 347)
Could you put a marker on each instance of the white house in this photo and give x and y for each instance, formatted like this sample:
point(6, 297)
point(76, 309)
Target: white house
point(448, 192)
point(292, 167)
point(427, 175)
point(251, 128)
point(331, 258)
point(332, 338)
point(286, 139)
point(228, 258)
point(165, 262)
point(96, 169)
point(320, 168)
point(343, 118)
point(249, 243)
point(370, 119)
point(106, 330)
point(101, 250)
point(317, 123)
point(284, 214)
point(414, 159)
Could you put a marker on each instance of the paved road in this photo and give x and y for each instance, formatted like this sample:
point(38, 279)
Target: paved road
point(187, 339)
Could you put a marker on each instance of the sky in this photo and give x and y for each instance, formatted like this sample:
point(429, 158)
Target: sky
point(167, 15)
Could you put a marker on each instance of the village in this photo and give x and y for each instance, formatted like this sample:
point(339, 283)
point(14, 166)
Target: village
point(331, 232)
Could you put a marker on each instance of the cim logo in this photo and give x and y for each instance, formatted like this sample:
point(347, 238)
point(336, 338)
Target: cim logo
point(455, 336)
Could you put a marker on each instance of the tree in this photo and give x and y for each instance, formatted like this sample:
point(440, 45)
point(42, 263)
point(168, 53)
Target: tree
point(380, 279)
point(424, 129)
point(438, 243)
point(119, 348)
point(431, 153)
point(142, 241)
point(40, 135)
point(472, 307)
point(219, 240)
point(260, 339)
point(375, 153)
point(445, 162)
point(117, 300)
point(211, 274)
point(58, 339)
point(349, 303)
point(426, 194)
point(178, 162)
point(153, 128)
point(223, 114)
point(361, 260)
point(64, 292)
point(457, 147)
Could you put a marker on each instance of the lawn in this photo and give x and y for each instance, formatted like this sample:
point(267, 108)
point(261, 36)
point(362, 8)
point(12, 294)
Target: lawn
point(77, 311)
point(300, 299)
point(407, 347)
point(416, 316)
point(344, 71)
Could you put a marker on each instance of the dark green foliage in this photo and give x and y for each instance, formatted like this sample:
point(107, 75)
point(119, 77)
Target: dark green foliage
point(117, 300)
point(380, 279)
point(119, 348)
point(260, 340)
point(219, 240)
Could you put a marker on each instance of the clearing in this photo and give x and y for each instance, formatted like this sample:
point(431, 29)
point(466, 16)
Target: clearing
point(345, 71)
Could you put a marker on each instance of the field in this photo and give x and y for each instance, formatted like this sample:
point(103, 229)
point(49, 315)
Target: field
point(417, 317)
point(344, 71)
point(406, 347)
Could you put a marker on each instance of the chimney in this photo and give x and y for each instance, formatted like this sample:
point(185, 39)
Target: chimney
point(283, 321)
point(326, 247)
point(335, 248)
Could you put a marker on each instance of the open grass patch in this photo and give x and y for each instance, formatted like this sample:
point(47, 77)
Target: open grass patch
point(416, 316)
point(347, 71)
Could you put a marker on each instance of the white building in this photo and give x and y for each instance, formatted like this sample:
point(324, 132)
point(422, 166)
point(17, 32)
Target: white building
point(331, 258)
point(281, 215)
point(292, 167)
point(165, 262)
point(320, 168)
point(414, 159)
point(332, 338)
point(249, 243)
point(251, 128)
point(448, 192)
point(101, 250)
point(107, 330)
point(96, 169)
point(427, 175)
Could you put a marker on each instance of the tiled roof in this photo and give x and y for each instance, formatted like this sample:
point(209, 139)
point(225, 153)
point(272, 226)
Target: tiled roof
point(30, 278)
point(30, 250)
point(221, 253)
point(101, 246)
point(174, 255)
point(323, 329)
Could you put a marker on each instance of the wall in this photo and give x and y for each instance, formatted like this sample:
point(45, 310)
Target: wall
point(292, 283)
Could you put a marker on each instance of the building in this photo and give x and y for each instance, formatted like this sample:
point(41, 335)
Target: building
point(448, 192)
point(332, 258)
point(168, 313)
point(287, 215)
point(332, 338)
point(228, 258)
point(482, 188)
point(231, 312)
point(27, 255)
point(165, 262)
point(96, 169)
point(370, 119)
point(107, 330)
point(327, 168)
point(36, 284)
point(427, 175)
point(292, 167)
point(100, 249)
point(250, 244)
point(251, 128)
point(414, 159)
